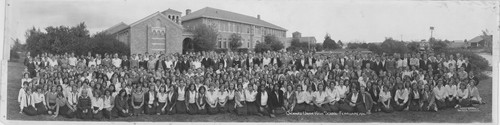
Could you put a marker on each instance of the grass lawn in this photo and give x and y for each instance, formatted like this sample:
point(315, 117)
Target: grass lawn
point(445, 116)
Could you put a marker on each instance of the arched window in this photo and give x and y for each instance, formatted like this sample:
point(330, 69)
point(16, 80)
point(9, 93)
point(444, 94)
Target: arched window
point(158, 23)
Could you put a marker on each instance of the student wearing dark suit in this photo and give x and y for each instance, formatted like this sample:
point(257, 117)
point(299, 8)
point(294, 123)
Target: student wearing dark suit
point(121, 105)
point(171, 100)
point(415, 94)
point(125, 62)
point(353, 101)
point(84, 106)
point(151, 101)
point(467, 66)
point(276, 100)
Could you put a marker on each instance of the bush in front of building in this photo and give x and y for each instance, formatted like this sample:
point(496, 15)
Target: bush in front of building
point(66, 39)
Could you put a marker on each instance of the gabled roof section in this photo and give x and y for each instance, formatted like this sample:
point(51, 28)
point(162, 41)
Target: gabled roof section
point(153, 15)
point(476, 39)
point(213, 13)
point(172, 11)
point(116, 28)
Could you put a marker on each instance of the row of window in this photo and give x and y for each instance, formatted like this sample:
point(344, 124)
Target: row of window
point(225, 26)
point(223, 43)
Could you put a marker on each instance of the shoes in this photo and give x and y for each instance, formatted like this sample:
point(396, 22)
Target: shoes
point(435, 109)
point(272, 116)
point(457, 106)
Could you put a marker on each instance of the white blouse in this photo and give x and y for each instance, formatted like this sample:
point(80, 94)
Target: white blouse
point(250, 96)
point(212, 96)
point(263, 98)
point(320, 96)
point(384, 96)
point(222, 96)
point(162, 97)
point(230, 94)
point(192, 96)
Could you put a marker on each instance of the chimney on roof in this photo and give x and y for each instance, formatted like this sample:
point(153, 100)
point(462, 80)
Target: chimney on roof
point(258, 17)
point(188, 11)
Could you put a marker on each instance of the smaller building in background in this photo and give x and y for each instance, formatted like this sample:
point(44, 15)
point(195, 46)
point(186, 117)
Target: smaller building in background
point(297, 35)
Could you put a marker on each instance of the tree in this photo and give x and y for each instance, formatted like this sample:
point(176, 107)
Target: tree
point(392, 46)
point(340, 44)
point(488, 41)
point(235, 41)
point(318, 47)
point(413, 46)
point(205, 37)
point(262, 47)
point(273, 42)
point(111, 45)
point(65, 39)
point(437, 45)
point(329, 44)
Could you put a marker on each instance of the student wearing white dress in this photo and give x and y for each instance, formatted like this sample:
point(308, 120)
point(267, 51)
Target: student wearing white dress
point(191, 105)
point(212, 99)
point(440, 94)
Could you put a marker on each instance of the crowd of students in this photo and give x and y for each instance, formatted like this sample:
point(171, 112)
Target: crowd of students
point(94, 86)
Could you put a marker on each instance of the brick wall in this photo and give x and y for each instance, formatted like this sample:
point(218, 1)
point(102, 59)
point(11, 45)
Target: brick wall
point(145, 36)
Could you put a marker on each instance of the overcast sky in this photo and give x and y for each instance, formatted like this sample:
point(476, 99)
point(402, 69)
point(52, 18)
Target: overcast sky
point(343, 20)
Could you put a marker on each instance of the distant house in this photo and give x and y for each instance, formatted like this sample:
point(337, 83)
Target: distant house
point(479, 41)
point(297, 35)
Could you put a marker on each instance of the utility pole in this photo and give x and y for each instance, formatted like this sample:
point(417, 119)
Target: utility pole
point(432, 29)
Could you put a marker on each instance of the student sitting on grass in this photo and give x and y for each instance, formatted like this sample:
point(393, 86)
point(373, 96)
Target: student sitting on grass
point(39, 102)
point(385, 100)
point(84, 106)
point(63, 107)
point(27, 105)
point(212, 99)
point(428, 102)
point(463, 96)
point(474, 93)
point(191, 95)
point(440, 94)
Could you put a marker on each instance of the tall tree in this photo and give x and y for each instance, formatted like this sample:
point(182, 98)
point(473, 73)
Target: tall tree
point(273, 42)
point(393, 46)
point(329, 44)
point(340, 44)
point(205, 37)
point(235, 41)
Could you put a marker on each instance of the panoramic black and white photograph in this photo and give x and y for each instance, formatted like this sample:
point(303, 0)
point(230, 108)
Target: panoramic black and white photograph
point(252, 61)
